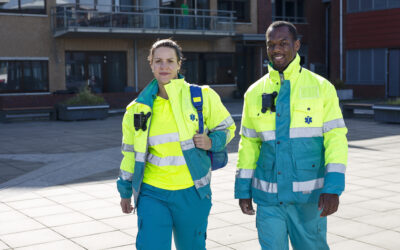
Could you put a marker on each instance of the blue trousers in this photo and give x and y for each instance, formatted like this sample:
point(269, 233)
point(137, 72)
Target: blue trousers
point(301, 222)
point(161, 212)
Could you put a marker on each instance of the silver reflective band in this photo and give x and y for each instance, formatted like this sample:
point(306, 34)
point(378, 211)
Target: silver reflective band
point(126, 176)
point(203, 181)
point(244, 173)
point(265, 186)
point(267, 135)
point(251, 133)
point(308, 186)
point(160, 139)
point(127, 148)
point(337, 123)
point(305, 132)
point(166, 161)
point(228, 136)
point(224, 124)
point(335, 167)
point(140, 157)
point(188, 144)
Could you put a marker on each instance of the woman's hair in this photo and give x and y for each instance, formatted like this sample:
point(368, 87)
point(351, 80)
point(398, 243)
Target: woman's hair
point(166, 43)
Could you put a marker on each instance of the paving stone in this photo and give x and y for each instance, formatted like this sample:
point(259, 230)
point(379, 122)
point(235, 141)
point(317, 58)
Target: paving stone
point(33, 203)
point(386, 239)
point(30, 238)
point(378, 205)
point(82, 229)
point(235, 217)
point(105, 240)
point(90, 204)
point(63, 219)
point(45, 211)
point(351, 229)
point(62, 244)
point(3, 246)
point(231, 235)
point(384, 220)
point(11, 215)
point(246, 245)
point(353, 244)
point(20, 225)
point(105, 212)
point(122, 222)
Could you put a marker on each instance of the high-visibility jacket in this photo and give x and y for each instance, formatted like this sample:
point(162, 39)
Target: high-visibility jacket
point(217, 122)
point(298, 152)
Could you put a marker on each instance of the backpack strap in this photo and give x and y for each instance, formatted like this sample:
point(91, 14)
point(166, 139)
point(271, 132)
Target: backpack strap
point(197, 101)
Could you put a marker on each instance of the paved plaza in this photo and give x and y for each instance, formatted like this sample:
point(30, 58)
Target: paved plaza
point(58, 191)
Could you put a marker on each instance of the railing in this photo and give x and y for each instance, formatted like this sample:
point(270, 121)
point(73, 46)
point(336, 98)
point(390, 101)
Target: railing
point(289, 19)
point(142, 19)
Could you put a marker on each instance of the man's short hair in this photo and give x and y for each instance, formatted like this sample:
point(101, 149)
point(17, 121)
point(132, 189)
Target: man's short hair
point(277, 24)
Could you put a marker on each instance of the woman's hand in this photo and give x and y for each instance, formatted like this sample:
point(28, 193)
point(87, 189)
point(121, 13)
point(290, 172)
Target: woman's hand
point(126, 205)
point(202, 141)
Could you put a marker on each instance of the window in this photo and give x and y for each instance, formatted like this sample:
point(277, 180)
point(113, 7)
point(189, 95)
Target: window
point(365, 66)
point(103, 71)
point(241, 8)
point(23, 76)
point(368, 5)
point(23, 6)
point(209, 68)
point(289, 10)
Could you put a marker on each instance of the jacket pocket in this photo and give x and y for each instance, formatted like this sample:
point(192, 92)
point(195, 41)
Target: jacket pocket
point(307, 114)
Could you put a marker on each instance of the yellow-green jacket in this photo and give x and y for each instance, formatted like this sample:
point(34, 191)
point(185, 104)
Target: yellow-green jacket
point(298, 152)
point(217, 121)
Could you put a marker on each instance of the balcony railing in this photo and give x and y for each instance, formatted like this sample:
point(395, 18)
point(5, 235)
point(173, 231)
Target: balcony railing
point(138, 20)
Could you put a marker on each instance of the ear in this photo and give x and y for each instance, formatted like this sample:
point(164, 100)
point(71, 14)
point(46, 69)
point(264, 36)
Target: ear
point(297, 45)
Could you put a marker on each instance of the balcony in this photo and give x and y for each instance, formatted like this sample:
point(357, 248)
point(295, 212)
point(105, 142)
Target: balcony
point(79, 20)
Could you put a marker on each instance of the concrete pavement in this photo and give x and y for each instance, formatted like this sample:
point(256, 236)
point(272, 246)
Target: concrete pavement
point(57, 190)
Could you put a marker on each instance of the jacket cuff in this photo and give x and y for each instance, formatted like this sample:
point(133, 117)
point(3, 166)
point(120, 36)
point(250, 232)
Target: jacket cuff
point(334, 183)
point(243, 188)
point(124, 188)
point(218, 141)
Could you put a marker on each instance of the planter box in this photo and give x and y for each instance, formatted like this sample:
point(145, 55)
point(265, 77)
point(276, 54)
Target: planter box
point(76, 113)
point(345, 94)
point(387, 113)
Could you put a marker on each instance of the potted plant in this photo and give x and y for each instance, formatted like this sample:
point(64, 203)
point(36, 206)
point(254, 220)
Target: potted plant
point(388, 111)
point(83, 106)
point(342, 92)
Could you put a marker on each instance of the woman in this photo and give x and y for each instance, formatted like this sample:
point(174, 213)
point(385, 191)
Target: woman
point(165, 164)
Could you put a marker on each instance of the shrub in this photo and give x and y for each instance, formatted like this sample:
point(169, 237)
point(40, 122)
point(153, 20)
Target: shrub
point(85, 97)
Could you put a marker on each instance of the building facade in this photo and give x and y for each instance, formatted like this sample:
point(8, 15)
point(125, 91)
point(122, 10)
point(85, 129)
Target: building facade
point(53, 47)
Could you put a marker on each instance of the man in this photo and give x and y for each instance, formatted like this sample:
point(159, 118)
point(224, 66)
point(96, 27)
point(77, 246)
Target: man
point(293, 149)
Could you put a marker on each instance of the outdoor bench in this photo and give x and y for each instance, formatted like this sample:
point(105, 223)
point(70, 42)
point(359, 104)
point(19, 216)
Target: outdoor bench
point(20, 112)
point(348, 108)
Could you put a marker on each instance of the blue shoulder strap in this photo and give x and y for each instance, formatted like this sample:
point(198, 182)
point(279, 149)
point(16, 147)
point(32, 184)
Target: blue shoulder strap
point(197, 101)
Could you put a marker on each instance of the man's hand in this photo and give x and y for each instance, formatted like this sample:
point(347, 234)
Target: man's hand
point(202, 141)
point(247, 206)
point(329, 204)
point(126, 205)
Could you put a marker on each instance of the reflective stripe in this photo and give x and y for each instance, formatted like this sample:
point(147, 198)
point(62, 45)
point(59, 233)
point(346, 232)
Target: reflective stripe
point(335, 167)
point(249, 132)
point(267, 135)
point(308, 186)
point(228, 136)
point(305, 132)
point(224, 124)
point(160, 139)
point(125, 175)
point(337, 123)
point(140, 157)
point(203, 181)
point(127, 147)
point(166, 161)
point(265, 186)
point(244, 173)
point(188, 144)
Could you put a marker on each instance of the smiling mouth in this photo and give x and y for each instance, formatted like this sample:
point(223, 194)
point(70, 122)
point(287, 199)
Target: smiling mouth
point(278, 57)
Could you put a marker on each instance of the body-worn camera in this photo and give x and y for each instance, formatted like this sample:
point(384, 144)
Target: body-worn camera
point(268, 102)
point(140, 120)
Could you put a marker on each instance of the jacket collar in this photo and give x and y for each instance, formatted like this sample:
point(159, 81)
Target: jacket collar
point(290, 73)
point(149, 93)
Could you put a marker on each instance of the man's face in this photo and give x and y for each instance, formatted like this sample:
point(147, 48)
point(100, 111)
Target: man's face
point(281, 48)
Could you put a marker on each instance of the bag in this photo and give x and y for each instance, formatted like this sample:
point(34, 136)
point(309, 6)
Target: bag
point(218, 159)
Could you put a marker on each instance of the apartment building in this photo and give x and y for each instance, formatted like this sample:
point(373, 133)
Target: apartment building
point(371, 58)
point(53, 47)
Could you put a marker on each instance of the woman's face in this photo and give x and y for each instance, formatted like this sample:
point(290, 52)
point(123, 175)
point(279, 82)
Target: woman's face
point(165, 65)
